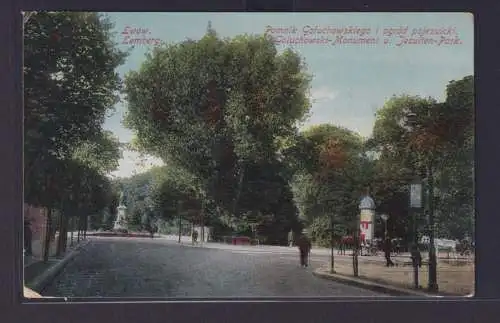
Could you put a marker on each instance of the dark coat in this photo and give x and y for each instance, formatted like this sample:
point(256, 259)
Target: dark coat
point(387, 246)
point(304, 244)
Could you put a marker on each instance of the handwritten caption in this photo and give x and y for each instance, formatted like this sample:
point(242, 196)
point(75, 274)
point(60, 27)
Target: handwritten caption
point(138, 36)
point(397, 36)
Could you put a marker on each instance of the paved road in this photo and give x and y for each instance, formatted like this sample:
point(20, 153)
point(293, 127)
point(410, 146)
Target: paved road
point(119, 267)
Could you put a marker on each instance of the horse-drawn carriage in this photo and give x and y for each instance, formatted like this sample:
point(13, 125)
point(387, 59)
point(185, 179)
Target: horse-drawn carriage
point(370, 248)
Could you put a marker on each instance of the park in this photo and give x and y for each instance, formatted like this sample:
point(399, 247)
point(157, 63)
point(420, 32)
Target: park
point(240, 165)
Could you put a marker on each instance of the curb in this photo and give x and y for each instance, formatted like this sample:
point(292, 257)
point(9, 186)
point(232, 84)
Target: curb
point(376, 287)
point(40, 283)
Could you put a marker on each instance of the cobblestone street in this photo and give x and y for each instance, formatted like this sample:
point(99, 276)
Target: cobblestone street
point(141, 267)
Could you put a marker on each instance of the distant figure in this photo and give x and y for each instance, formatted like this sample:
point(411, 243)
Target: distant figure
point(290, 238)
point(416, 256)
point(152, 230)
point(397, 246)
point(342, 245)
point(387, 252)
point(194, 237)
point(304, 245)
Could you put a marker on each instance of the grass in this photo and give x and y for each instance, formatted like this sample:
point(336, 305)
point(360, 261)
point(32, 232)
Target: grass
point(453, 278)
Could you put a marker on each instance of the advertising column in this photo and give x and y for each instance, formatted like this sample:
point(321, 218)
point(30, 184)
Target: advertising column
point(366, 219)
point(366, 226)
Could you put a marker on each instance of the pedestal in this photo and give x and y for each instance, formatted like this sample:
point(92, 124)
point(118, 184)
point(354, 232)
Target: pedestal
point(120, 218)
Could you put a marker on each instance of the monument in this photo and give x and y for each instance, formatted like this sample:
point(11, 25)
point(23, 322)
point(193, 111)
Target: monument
point(120, 222)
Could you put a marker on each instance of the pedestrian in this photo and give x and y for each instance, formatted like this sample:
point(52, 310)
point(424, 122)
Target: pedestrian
point(152, 230)
point(416, 256)
point(387, 252)
point(304, 245)
point(194, 237)
point(342, 246)
point(398, 246)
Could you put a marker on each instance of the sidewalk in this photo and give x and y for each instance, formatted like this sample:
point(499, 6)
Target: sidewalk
point(37, 274)
point(322, 252)
point(453, 279)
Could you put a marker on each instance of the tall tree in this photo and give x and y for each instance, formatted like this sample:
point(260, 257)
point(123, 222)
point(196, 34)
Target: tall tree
point(413, 133)
point(69, 83)
point(215, 105)
point(331, 178)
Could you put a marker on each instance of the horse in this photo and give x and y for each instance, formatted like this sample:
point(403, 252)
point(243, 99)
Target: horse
point(348, 242)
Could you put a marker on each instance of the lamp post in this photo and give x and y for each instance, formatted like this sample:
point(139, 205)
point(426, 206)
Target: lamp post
point(329, 210)
point(332, 234)
point(433, 286)
point(384, 218)
point(415, 205)
point(410, 123)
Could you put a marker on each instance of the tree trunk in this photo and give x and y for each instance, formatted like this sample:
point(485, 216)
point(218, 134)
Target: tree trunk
point(202, 224)
point(85, 227)
point(65, 230)
point(48, 234)
point(78, 226)
point(180, 221)
point(72, 225)
point(355, 262)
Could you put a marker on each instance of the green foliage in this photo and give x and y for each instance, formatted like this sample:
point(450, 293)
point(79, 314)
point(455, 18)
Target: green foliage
point(210, 106)
point(440, 135)
point(101, 153)
point(322, 189)
point(321, 229)
point(223, 115)
point(70, 84)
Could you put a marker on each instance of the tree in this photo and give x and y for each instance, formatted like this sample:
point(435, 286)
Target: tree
point(177, 192)
point(413, 133)
point(215, 105)
point(84, 191)
point(69, 84)
point(102, 153)
point(455, 180)
point(331, 177)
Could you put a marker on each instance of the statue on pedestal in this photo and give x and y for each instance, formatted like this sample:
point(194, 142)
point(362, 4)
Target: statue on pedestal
point(120, 222)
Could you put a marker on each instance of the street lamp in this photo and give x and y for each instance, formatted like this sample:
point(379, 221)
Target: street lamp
point(332, 234)
point(416, 194)
point(329, 210)
point(384, 218)
point(410, 123)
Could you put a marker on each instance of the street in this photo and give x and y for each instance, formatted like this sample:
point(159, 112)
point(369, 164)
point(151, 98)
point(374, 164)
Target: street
point(142, 267)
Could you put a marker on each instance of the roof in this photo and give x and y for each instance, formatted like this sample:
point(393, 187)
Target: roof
point(367, 203)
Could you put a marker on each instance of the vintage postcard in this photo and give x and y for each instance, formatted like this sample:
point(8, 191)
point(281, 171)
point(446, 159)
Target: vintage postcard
point(207, 155)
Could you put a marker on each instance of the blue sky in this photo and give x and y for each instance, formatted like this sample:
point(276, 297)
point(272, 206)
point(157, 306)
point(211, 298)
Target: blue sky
point(351, 81)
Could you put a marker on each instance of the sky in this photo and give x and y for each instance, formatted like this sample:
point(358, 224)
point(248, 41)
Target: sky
point(407, 53)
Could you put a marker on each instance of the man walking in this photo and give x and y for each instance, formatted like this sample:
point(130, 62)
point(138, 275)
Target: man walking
point(304, 245)
point(194, 237)
point(387, 252)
